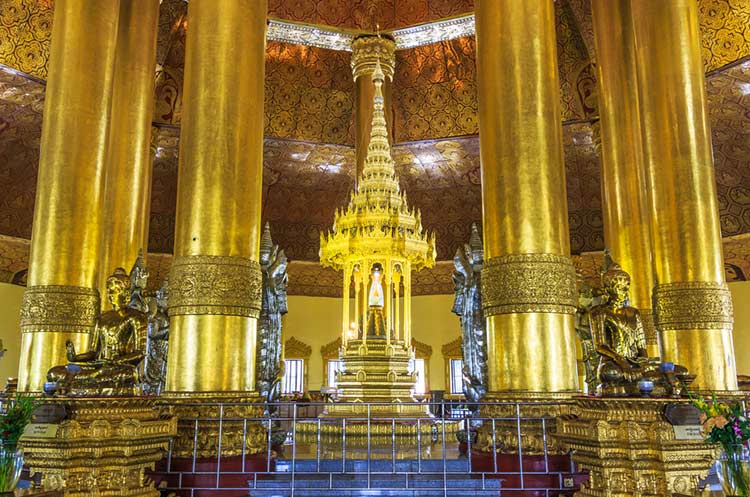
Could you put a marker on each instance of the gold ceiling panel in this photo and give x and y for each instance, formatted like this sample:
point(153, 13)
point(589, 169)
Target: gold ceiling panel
point(21, 106)
point(729, 114)
point(725, 31)
point(25, 33)
point(309, 94)
point(577, 73)
point(435, 93)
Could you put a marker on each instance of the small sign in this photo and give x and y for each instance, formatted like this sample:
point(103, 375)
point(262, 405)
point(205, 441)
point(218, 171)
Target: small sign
point(40, 430)
point(682, 414)
point(688, 432)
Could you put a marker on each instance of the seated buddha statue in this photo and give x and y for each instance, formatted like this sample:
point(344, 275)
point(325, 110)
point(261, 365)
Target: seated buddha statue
point(110, 366)
point(620, 340)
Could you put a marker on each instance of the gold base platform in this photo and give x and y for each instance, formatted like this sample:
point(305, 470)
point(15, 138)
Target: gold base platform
point(98, 446)
point(210, 422)
point(631, 450)
point(382, 432)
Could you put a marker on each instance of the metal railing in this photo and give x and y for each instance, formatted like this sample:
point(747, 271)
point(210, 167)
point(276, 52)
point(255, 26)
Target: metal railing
point(462, 451)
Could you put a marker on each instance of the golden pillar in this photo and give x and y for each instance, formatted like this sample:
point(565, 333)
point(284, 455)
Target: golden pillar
point(624, 184)
point(127, 189)
point(215, 281)
point(366, 51)
point(693, 306)
point(528, 280)
point(61, 301)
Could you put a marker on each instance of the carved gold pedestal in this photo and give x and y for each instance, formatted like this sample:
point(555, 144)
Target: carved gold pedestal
point(210, 424)
point(375, 394)
point(377, 372)
point(630, 449)
point(525, 420)
point(99, 446)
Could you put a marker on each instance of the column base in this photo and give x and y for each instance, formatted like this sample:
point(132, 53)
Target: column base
point(99, 446)
point(534, 413)
point(630, 449)
point(210, 424)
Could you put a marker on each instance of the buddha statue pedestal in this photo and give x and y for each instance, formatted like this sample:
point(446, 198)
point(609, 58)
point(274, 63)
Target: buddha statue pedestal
point(98, 446)
point(630, 448)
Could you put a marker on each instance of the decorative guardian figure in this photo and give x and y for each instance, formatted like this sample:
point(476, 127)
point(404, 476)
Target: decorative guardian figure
point(468, 306)
point(273, 265)
point(157, 346)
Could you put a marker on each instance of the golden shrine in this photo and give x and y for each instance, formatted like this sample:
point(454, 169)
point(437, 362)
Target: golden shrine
point(377, 240)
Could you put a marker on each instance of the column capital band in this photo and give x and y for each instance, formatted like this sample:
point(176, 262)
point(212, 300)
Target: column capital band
point(521, 283)
point(693, 305)
point(59, 308)
point(215, 285)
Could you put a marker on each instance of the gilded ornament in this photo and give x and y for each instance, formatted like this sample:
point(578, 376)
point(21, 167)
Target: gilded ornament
point(695, 305)
point(59, 308)
point(518, 283)
point(215, 285)
point(367, 51)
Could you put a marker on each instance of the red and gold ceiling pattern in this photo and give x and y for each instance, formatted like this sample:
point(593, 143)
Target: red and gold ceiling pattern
point(577, 74)
point(21, 107)
point(435, 94)
point(25, 33)
point(729, 112)
point(367, 14)
point(309, 94)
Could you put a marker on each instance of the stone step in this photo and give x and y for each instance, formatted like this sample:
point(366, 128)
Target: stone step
point(374, 492)
point(377, 465)
point(379, 481)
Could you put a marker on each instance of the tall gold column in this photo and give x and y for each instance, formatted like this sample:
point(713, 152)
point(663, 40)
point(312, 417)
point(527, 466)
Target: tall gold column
point(366, 50)
point(127, 190)
point(624, 184)
point(215, 281)
point(693, 306)
point(61, 301)
point(528, 280)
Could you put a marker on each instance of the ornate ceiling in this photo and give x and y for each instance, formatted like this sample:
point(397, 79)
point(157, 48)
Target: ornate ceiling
point(309, 108)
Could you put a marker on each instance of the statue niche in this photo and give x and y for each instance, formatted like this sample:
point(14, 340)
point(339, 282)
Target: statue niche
point(110, 366)
point(376, 327)
point(619, 339)
point(468, 306)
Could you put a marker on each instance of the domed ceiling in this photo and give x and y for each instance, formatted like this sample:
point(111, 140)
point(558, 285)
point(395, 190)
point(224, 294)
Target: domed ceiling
point(309, 108)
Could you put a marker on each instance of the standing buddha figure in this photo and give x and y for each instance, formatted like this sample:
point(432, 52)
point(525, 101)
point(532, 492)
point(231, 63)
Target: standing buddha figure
point(375, 302)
